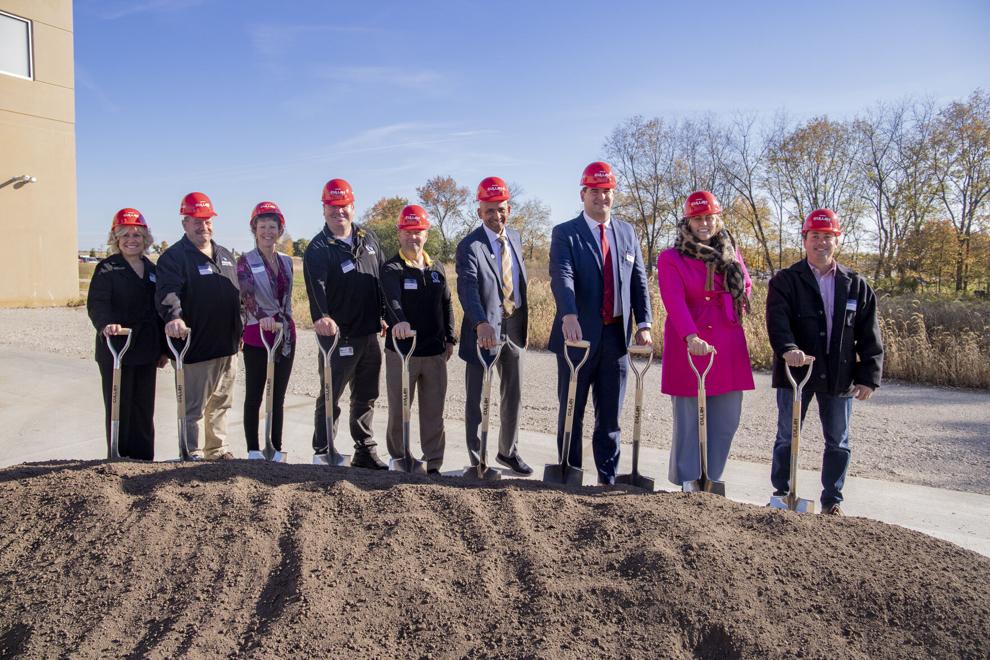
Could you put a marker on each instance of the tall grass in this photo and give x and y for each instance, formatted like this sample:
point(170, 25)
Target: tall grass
point(940, 342)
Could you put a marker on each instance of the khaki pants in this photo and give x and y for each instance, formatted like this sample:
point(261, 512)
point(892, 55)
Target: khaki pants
point(428, 375)
point(209, 395)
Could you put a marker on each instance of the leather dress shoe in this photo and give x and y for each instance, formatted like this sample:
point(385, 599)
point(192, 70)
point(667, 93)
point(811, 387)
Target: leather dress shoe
point(367, 458)
point(515, 463)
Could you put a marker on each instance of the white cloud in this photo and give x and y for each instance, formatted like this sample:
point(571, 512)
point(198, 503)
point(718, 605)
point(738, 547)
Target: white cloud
point(113, 10)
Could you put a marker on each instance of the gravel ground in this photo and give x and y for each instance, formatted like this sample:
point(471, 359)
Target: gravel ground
point(932, 436)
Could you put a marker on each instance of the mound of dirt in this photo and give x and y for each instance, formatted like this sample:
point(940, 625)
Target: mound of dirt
point(245, 559)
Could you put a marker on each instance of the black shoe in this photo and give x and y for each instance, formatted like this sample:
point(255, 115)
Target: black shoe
point(433, 472)
point(515, 463)
point(605, 482)
point(367, 458)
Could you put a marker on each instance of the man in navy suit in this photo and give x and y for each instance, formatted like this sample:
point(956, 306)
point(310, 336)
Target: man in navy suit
point(599, 284)
point(491, 286)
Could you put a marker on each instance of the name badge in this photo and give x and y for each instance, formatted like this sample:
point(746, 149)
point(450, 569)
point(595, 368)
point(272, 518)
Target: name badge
point(347, 266)
point(204, 269)
point(224, 261)
point(346, 351)
point(152, 278)
point(370, 249)
point(851, 305)
point(629, 257)
point(411, 285)
point(257, 269)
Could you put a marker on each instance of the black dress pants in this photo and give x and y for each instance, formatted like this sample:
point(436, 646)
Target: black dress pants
point(137, 408)
point(255, 371)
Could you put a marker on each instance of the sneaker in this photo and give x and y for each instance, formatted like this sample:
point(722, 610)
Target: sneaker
point(833, 510)
point(515, 463)
point(367, 458)
point(279, 457)
point(255, 455)
point(320, 459)
point(226, 456)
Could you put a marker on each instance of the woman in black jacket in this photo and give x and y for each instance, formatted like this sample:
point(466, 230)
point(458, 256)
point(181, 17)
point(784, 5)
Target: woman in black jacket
point(122, 295)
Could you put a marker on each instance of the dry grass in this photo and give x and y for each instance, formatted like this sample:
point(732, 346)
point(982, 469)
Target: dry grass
point(941, 342)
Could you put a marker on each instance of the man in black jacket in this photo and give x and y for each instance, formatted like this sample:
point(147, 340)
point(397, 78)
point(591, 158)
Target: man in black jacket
point(197, 290)
point(825, 315)
point(341, 266)
point(417, 298)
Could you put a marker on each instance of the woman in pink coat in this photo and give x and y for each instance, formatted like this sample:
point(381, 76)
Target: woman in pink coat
point(705, 290)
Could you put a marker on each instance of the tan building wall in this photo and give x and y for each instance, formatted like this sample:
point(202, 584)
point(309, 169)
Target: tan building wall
point(37, 137)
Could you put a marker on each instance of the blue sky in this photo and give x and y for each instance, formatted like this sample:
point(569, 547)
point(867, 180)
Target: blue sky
point(250, 101)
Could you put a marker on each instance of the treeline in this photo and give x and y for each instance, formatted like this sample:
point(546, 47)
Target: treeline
point(910, 180)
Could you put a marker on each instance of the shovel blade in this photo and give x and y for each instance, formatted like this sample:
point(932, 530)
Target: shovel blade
point(484, 473)
point(409, 465)
point(715, 488)
point(787, 503)
point(637, 481)
point(333, 460)
point(567, 475)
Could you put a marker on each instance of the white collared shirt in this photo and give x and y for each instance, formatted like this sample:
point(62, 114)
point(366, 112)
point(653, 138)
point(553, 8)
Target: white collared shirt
point(496, 246)
point(613, 251)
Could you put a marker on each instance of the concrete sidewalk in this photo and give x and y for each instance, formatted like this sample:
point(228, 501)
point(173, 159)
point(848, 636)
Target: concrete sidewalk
point(51, 408)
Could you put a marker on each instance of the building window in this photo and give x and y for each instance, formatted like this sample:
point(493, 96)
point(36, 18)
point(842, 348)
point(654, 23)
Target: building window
point(15, 47)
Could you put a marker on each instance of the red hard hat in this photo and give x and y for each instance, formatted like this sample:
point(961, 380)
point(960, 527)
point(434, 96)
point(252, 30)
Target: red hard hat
point(598, 175)
point(197, 205)
point(493, 189)
point(413, 218)
point(823, 220)
point(128, 218)
point(268, 208)
point(338, 192)
point(701, 202)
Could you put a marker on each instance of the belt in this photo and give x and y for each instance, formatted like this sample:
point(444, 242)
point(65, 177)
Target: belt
point(611, 321)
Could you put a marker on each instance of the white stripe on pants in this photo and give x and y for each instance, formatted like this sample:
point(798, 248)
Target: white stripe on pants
point(722, 421)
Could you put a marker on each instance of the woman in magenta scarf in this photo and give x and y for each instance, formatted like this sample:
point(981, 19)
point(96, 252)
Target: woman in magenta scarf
point(705, 290)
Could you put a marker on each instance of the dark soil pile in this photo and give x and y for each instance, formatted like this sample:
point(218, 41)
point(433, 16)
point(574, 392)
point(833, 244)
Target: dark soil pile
point(249, 559)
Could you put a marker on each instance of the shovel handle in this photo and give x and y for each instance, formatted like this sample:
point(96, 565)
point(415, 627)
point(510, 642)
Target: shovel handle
point(279, 335)
point(180, 356)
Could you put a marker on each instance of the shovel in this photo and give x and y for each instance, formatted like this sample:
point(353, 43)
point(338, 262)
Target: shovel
point(635, 478)
point(703, 483)
point(791, 501)
point(407, 463)
point(180, 392)
point(563, 472)
point(269, 384)
point(118, 356)
point(481, 470)
point(331, 457)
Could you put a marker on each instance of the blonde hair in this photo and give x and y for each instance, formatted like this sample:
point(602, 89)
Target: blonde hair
point(117, 232)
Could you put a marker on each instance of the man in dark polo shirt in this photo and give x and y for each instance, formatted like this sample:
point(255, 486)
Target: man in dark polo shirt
point(341, 267)
point(417, 298)
point(197, 290)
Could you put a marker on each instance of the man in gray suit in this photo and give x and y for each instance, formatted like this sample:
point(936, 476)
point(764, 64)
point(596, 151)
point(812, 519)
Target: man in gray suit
point(491, 285)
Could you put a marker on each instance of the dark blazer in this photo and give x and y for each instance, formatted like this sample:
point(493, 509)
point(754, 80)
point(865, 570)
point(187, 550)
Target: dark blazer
point(479, 288)
point(796, 320)
point(577, 284)
point(118, 295)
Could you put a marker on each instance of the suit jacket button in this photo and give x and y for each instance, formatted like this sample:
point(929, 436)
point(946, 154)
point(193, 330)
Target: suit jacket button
point(821, 334)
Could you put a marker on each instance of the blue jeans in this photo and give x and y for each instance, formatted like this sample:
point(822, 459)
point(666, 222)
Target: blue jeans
point(834, 412)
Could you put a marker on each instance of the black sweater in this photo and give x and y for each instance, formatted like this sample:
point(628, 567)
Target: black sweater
point(422, 299)
point(204, 293)
point(342, 281)
point(118, 295)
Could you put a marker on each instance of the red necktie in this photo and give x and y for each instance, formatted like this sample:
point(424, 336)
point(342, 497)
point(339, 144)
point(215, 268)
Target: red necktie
point(608, 298)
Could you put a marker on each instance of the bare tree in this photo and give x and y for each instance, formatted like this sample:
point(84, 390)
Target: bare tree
point(642, 151)
point(743, 166)
point(531, 218)
point(445, 201)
